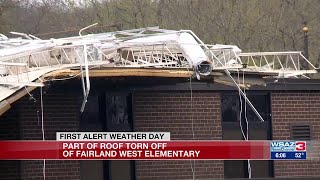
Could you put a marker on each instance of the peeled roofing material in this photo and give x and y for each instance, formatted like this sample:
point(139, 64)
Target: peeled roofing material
point(22, 61)
point(193, 51)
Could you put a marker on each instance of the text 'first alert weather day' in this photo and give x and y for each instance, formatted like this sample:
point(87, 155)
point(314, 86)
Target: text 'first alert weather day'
point(113, 136)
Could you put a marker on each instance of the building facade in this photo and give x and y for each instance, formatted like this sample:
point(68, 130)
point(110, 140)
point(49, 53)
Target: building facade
point(189, 111)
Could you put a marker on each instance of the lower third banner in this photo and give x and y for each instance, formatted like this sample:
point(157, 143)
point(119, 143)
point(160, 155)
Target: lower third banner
point(201, 150)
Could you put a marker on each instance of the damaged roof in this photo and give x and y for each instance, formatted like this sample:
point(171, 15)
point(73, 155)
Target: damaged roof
point(28, 62)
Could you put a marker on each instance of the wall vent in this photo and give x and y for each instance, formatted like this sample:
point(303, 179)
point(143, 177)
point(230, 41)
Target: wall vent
point(300, 132)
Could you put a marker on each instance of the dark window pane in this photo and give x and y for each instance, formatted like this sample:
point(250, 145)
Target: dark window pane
point(261, 103)
point(230, 108)
point(118, 112)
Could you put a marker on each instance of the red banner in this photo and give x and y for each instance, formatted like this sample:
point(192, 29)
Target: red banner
point(201, 150)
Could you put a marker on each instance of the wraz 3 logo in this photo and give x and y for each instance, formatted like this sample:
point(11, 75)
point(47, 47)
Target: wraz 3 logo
point(288, 146)
point(301, 146)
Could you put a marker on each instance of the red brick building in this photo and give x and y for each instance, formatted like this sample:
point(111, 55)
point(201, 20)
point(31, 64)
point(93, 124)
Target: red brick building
point(207, 112)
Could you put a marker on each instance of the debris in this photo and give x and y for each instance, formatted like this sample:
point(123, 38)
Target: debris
point(24, 61)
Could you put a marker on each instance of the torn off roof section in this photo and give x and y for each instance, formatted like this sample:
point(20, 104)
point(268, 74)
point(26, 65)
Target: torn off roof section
point(25, 61)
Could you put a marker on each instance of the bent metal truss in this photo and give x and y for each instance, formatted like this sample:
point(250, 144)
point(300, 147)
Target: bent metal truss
point(25, 61)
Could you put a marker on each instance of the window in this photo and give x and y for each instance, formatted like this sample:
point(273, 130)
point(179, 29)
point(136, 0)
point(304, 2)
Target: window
point(118, 117)
point(107, 112)
point(230, 109)
point(118, 112)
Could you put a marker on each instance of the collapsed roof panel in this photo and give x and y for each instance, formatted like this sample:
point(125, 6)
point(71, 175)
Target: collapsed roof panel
point(23, 61)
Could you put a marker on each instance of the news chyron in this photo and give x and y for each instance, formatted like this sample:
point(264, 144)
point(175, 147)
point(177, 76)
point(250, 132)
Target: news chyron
point(288, 150)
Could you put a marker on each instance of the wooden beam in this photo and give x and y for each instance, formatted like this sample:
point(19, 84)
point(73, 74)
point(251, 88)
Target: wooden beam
point(229, 83)
point(125, 72)
point(121, 73)
point(4, 106)
point(139, 72)
point(22, 84)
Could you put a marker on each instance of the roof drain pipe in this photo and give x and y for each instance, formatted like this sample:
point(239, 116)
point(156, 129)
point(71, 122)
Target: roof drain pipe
point(194, 52)
point(42, 129)
point(85, 84)
point(228, 74)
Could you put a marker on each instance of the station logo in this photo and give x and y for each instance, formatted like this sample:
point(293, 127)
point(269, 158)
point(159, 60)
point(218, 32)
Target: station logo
point(288, 146)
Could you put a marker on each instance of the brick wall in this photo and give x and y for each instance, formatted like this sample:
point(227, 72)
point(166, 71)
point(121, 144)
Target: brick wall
point(23, 121)
point(172, 112)
point(153, 111)
point(61, 113)
point(9, 130)
point(290, 108)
